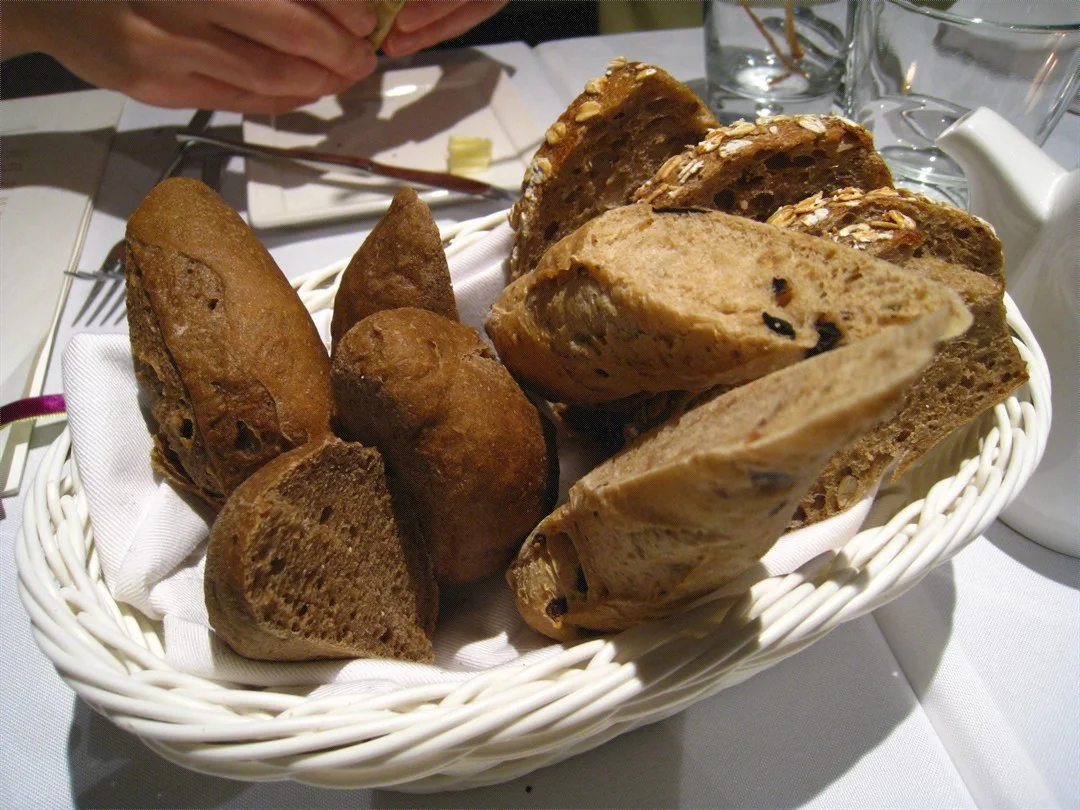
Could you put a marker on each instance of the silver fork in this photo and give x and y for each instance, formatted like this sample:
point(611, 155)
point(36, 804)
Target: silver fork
point(109, 278)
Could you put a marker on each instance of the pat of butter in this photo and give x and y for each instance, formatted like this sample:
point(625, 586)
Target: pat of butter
point(469, 155)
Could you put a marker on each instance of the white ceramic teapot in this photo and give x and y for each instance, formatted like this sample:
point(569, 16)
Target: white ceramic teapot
point(1034, 205)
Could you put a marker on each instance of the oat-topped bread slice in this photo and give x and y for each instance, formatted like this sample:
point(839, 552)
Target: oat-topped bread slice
point(693, 504)
point(897, 225)
point(610, 139)
point(642, 301)
point(313, 557)
point(223, 347)
point(970, 373)
point(751, 168)
point(401, 263)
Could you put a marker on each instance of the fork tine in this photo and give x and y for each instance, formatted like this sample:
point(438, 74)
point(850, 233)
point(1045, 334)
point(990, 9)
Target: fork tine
point(115, 286)
point(94, 292)
point(118, 306)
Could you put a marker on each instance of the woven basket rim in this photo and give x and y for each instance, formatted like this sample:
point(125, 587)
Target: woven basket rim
point(492, 727)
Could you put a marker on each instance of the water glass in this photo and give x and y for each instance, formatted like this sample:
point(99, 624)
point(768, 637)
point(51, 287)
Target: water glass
point(767, 57)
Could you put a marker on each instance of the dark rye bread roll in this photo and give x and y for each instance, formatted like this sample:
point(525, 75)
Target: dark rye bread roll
point(641, 301)
point(751, 168)
point(475, 456)
point(609, 141)
point(224, 349)
point(897, 225)
point(313, 557)
point(401, 263)
point(696, 502)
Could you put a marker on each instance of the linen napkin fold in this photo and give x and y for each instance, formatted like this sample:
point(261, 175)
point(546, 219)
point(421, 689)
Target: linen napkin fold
point(151, 538)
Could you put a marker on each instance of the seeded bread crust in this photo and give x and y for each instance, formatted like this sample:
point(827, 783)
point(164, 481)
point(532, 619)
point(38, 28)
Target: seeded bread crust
point(313, 557)
point(643, 301)
point(401, 263)
point(228, 356)
point(474, 454)
point(752, 168)
point(610, 139)
point(693, 504)
point(897, 225)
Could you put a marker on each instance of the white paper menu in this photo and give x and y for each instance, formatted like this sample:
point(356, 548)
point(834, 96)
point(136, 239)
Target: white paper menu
point(53, 151)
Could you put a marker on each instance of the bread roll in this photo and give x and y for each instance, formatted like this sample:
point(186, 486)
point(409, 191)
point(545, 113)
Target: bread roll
point(224, 349)
point(400, 264)
point(472, 451)
point(752, 168)
point(609, 141)
point(643, 301)
point(312, 557)
point(693, 504)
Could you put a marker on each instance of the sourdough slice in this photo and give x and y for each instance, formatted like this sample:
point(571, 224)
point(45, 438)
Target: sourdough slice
point(610, 140)
point(970, 373)
point(753, 168)
point(224, 349)
point(401, 263)
point(312, 557)
point(643, 301)
point(898, 225)
point(691, 505)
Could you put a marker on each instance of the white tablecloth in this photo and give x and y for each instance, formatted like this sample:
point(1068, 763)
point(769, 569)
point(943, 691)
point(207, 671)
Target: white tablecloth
point(965, 692)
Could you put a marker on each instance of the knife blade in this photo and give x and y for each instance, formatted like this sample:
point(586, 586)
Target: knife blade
point(324, 161)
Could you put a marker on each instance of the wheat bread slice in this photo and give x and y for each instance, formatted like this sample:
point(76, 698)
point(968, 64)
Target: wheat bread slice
point(643, 301)
point(401, 263)
point(752, 168)
point(969, 374)
point(313, 557)
point(692, 504)
point(225, 351)
point(898, 225)
point(610, 140)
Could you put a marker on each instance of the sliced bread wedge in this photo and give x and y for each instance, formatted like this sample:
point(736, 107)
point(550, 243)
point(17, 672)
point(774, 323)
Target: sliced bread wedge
point(694, 503)
point(313, 557)
point(752, 168)
point(643, 301)
point(609, 141)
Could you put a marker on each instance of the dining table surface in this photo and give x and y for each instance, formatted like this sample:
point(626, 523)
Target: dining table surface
point(962, 692)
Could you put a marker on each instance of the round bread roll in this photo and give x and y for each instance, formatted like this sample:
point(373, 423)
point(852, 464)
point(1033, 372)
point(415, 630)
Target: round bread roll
point(475, 456)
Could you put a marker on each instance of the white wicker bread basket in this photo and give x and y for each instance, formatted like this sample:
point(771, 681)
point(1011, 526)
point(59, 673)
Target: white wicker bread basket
point(495, 727)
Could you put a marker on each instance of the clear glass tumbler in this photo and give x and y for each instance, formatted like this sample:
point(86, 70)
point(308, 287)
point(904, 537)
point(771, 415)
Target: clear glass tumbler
point(766, 57)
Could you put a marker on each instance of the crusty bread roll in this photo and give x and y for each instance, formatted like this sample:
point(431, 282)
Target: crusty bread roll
point(752, 168)
point(224, 349)
point(691, 505)
point(609, 141)
point(898, 225)
point(642, 301)
point(313, 557)
point(473, 453)
point(401, 263)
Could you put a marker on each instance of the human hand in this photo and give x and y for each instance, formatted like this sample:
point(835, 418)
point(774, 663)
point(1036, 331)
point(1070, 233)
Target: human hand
point(423, 23)
point(260, 57)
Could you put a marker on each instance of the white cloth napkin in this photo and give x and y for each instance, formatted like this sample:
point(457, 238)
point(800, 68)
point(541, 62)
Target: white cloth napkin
point(151, 538)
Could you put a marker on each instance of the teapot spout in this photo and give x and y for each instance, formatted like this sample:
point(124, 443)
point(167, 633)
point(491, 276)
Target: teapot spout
point(1011, 181)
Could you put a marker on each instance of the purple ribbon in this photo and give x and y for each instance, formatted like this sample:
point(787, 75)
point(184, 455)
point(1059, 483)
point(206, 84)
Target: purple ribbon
point(32, 408)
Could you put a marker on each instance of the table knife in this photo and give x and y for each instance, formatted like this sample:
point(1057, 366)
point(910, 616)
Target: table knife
point(325, 161)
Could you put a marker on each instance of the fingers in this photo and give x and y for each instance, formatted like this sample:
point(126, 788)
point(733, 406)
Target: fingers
point(423, 24)
point(355, 16)
point(312, 32)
